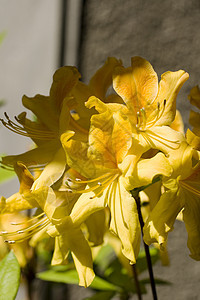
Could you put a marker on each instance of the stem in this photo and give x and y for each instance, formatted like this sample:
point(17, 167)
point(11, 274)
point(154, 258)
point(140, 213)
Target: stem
point(137, 284)
point(146, 247)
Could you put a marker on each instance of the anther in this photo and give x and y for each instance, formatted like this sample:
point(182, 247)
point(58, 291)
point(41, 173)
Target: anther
point(9, 242)
point(69, 179)
point(99, 183)
point(78, 179)
point(3, 232)
point(20, 231)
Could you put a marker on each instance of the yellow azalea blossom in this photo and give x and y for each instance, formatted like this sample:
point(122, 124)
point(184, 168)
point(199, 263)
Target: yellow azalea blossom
point(182, 191)
point(53, 207)
point(101, 162)
point(62, 110)
point(151, 106)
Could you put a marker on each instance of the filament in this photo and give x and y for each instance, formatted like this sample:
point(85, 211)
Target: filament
point(27, 232)
point(34, 133)
point(189, 188)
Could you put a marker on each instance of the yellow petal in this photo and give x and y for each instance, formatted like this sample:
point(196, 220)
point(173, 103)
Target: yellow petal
point(41, 107)
point(163, 138)
point(76, 155)
point(169, 86)
point(147, 169)
point(47, 108)
point(64, 80)
point(80, 94)
point(193, 139)
point(96, 227)
point(194, 119)
point(124, 219)
point(178, 124)
point(40, 155)
point(25, 177)
point(138, 86)
point(110, 133)
point(102, 79)
point(85, 206)
point(194, 96)
point(74, 240)
point(15, 203)
point(191, 217)
point(162, 218)
point(52, 172)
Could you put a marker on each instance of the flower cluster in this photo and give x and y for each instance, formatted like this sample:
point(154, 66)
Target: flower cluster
point(93, 146)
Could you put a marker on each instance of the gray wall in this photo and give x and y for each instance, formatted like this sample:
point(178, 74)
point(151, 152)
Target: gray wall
point(165, 32)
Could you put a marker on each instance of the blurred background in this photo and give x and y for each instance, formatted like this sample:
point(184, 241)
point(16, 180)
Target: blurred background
point(42, 35)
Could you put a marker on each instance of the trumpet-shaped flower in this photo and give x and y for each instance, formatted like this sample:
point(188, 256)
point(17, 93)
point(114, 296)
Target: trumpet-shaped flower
point(53, 208)
point(55, 114)
point(151, 106)
point(102, 163)
point(182, 192)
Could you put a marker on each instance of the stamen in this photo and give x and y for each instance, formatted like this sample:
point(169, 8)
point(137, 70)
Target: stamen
point(189, 188)
point(94, 187)
point(91, 180)
point(159, 113)
point(143, 113)
point(105, 186)
point(24, 234)
point(9, 242)
point(30, 220)
point(26, 130)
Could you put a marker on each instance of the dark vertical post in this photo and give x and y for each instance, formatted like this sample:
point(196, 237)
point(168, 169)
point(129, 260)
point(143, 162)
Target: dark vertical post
point(81, 35)
point(62, 46)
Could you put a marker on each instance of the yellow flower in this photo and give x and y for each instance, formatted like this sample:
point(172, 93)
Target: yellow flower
point(182, 191)
point(53, 207)
point(59, 112)
point(102, 163)
point(151, 106)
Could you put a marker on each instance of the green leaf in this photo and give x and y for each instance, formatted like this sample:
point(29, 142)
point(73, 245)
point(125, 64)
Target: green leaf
point(116, 274)
point(157, 281)
point(104, 258)
point(102, 284)
point(10, 276)
point(5, 175)
point(71, 277)
point(101, 295)
point(141, 264)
